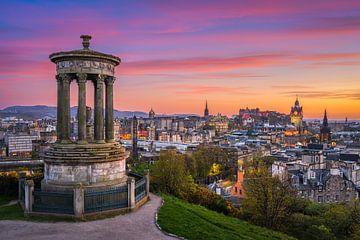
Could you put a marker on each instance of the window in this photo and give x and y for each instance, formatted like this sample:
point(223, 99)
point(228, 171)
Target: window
point(320, 199)
point(337, 198)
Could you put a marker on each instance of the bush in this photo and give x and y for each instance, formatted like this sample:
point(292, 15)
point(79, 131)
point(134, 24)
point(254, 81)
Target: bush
point(320, 233)
point(208, 199)
point(9, 184)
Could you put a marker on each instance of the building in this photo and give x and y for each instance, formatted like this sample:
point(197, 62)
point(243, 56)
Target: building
point(323, 185)
point(151, 114)
point(296, 115)
point(325, 135)
point(20, 145)
point(238, 189)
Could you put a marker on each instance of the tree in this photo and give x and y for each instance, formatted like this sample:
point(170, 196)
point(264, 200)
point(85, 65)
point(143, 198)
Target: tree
point(169, 174)
point(202, 160)
point(268, 200)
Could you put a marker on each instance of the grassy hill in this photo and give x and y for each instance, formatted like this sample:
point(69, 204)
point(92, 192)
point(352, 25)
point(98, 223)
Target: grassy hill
point(195, 222)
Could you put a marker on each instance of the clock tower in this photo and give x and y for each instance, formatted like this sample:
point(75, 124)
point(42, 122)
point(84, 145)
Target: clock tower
point(296, 115)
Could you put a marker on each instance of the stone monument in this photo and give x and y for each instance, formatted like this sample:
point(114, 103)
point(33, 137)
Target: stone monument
point(92, 162)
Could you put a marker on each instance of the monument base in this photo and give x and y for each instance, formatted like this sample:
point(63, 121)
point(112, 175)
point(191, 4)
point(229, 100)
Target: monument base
point(90, 165)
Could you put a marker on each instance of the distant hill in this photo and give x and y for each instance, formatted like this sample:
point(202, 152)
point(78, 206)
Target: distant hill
point(42, 111)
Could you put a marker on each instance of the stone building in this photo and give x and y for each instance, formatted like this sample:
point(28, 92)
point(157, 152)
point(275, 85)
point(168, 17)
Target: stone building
point(322, 185)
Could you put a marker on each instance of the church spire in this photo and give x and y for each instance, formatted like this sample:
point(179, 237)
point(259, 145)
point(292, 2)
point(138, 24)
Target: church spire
point(325, 120)
point(206, 111)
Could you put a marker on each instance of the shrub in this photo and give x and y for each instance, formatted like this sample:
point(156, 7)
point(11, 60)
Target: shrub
point(9, 184)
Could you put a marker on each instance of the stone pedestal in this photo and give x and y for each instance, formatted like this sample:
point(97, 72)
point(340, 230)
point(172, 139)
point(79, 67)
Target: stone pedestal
point(91, 165)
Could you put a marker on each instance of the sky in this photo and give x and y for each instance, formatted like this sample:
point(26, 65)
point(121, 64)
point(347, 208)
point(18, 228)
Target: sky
point(178, 54)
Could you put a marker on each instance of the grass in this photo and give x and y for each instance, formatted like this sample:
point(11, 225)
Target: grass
point(15, 212)
point(196, 222)
point(4, 199)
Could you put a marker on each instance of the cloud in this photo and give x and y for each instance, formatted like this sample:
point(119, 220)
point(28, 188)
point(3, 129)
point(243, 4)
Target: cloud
point(286, 87)
point(203, 90)
point(203, 64)
point(326, 94)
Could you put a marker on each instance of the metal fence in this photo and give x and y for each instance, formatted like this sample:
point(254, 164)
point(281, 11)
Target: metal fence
point(140, 189)
point(53, 202)
point(105, 199)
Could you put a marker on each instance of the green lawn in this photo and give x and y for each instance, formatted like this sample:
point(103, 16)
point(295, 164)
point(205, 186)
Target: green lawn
point(196, 222)
point(4, 199)
point(15, 212)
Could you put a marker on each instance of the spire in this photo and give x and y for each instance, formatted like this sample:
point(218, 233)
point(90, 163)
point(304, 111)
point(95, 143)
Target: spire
point(297, 101)
point(325, 120)
point(206, 111)
point(151, 113)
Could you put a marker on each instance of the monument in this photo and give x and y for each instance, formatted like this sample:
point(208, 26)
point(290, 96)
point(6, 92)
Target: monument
point(86, 176)
point(93, 163)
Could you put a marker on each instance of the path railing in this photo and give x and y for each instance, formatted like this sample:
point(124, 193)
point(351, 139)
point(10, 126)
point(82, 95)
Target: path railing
point(53, 202)
point(105, 199)
point(81, 201)
point(140, 189)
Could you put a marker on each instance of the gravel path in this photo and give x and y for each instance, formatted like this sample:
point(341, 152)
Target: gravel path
point(136, 225)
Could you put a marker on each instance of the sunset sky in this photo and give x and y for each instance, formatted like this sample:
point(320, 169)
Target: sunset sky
point(177, 54)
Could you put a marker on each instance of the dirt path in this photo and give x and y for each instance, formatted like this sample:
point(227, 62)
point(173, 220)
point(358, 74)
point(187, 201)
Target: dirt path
point(136, 225)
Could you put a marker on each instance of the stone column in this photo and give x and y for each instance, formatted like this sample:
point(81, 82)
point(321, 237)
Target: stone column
point(147, 177)
point(109, 110)
point(65, 121)
point(81, 79)
point(98, 111)
point(131, 192)
point(78, 200)
point(29, 198)
point(22, 178)
point(59, 109)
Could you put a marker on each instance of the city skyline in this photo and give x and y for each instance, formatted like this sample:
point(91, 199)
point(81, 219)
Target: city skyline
point(247, 55)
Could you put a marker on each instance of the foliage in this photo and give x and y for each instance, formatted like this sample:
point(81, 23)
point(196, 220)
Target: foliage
point(169, 174)
point(215, 169)
point(9, 184)
point(196, 222)
point(140, 168)
point(4, 199)
point(268, 199)
point(200, 163)
point(324, 221)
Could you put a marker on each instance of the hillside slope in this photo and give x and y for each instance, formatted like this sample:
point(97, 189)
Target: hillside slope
point(195, 222)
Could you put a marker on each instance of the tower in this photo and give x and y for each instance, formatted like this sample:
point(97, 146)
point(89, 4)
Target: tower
point(325, 135)
point(296, 115)
point(151, 114)
point(134, 154)
point(206, 111)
